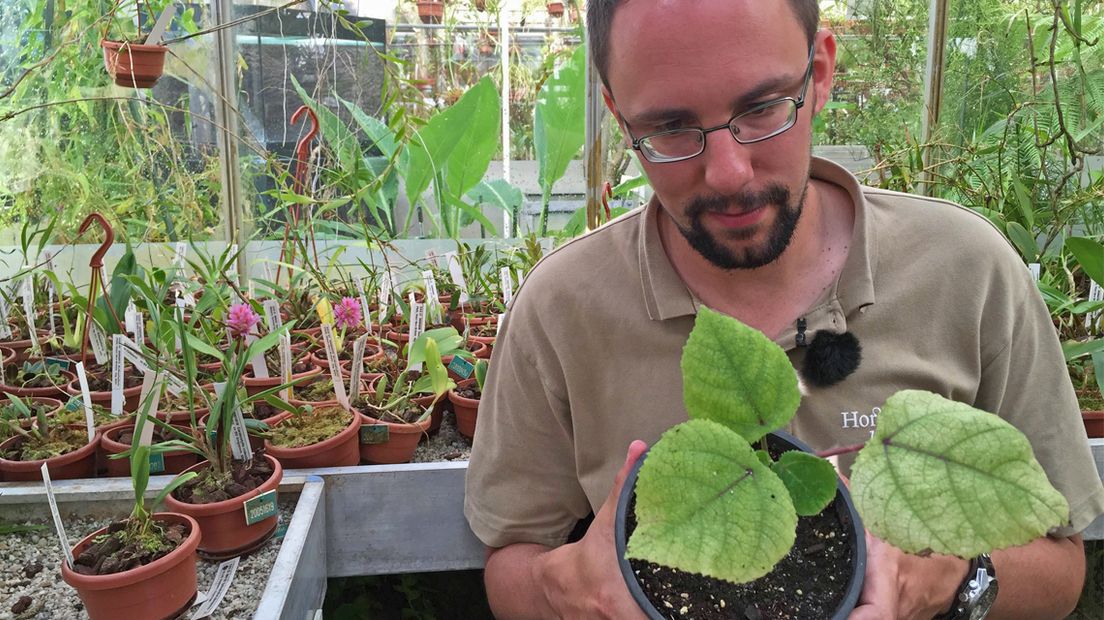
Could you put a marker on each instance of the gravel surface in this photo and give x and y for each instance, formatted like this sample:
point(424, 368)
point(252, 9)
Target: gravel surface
point(448, 445)
point(33, 573)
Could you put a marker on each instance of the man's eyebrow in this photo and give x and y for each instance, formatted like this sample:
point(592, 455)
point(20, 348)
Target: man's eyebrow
point(769, 85)
point(664, 115)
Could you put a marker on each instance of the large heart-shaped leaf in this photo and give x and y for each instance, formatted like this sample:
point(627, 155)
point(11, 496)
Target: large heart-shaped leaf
point(942, 476)
point(706, 504)
point(734, 375)
point(559, 126)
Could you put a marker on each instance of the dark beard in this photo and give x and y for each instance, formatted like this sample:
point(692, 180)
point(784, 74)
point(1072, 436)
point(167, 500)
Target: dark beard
point(780, 234)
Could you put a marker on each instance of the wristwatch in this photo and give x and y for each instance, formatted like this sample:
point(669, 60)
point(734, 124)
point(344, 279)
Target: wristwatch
point(976, 594)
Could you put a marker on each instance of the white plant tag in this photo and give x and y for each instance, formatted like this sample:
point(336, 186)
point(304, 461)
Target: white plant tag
point(239, 435)
point(117, 374)
point(260, 366)
point(433, 303)
point(1036, 270)
point(1095, 294)
point(99, 344)
point(385, 288)
point(252, 289)
point(132, 353)
point(224, 576)
point(86, 397)
point(507, 285)
point(128, 317)
point(273, 320)
point(417, 327)
point(174, 385)
point(139, 327)
point(498, 323)
point(431, 257)
point(151, 391)
point(232, 267)
point(457, 275)
point(58, 525)
point(180, 254)
point(285, 362)
point(364, 308)
point(179, 311)
point(28, 311)
point(520, 278)
point(357, 366)
point(5, 305)
point(335, 368)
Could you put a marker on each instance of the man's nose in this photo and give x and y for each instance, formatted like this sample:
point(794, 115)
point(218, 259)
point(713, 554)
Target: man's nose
point(727, 163)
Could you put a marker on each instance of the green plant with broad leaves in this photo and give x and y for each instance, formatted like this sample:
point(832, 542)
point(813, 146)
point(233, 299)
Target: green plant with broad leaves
point(710, 500)
point(559, 127)
point(392, 399)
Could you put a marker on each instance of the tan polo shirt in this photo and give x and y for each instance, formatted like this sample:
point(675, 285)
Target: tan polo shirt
point(588, 357)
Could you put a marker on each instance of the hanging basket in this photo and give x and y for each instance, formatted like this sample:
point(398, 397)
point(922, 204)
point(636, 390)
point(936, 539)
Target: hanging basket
point(431, 11)
point(134, 64)
point(555, 9)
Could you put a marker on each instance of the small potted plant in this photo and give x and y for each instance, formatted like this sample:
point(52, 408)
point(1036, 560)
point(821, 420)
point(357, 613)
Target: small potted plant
point(719, 503)
point(133, 63)
point(465, 400)
point(325, 436)
point(19, 413)
point(143, 566)
point(36, 378)
point(66, 449)
point(555, 8)
point(431, 11)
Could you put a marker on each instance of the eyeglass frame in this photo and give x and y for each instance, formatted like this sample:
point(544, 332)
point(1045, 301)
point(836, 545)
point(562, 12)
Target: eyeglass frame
point(799, 102)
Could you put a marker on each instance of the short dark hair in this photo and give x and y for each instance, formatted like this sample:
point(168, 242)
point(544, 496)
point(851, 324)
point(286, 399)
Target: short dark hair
point(600, 18)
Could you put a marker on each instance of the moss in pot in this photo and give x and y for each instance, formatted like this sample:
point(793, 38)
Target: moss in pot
point(713, 501)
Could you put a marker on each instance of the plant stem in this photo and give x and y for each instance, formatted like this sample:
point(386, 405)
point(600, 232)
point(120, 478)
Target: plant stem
point(842, 450)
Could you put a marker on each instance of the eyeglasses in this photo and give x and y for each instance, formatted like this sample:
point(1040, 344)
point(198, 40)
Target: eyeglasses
point(759, 123)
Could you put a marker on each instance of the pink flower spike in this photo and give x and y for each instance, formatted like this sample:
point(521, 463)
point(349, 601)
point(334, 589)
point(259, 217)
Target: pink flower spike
point(241, 320)
point(347, 313)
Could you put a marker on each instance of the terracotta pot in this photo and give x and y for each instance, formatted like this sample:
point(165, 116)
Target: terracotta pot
point(80, 463)
point(134, 64)
point(131, 396)
point(341, 450)
point(225, 534)
point(21, 347)
point(373, 354)
point(1094, 423)
point(53, 391)
point(466, 410)
point(437, 416)
point(175, 461)
point(183, 418)
point(163, 588)
point(402, 440)
point(7, 354)
point(254, 385)
point(555, 9)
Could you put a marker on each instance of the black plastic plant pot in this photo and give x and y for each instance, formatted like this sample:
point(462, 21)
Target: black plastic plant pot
point(841, 511)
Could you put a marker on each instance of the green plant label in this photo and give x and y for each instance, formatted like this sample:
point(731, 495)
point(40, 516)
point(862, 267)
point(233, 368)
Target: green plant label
point(461, 367)
point(61, 363)
point(157, 463)
point(371, 434)
point(261, 507)
point(281, 528)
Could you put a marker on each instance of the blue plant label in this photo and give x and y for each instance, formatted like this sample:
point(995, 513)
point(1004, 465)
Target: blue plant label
point(261, 507)
point(462, 367)
point(281, 528)
point(60, 362)
point(157, 463)
point(371, 434)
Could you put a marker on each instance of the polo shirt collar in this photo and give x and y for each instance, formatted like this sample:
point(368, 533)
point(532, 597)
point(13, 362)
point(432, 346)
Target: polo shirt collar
point(666, 295)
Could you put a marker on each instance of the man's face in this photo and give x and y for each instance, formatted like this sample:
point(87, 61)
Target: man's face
point(697, 64)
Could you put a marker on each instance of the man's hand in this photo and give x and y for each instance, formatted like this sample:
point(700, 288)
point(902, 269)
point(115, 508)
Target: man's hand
point(583, 580)
point(906, 587)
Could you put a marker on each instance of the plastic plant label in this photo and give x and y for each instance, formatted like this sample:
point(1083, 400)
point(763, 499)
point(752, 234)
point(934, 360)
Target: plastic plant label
point(507, 286)
point(132, 353)
point(58, 525)
point(117, 374)
point(28, 311)
point(357, 366)
point(382, 316)
point(174, 385)
point(462, 367)
point(128, 317)
point(335, 367)
point(86, 397)
point(285, 362)
point(273, 320)
point(157, 463)
point(281, 528)
point(261, 507)
point(364, 309)
point(60, 362)
point(179, 315)
point(220, 585)
point(457, 275)
point(239, 437)
point(372, 434)
point(385, 288)
point(99, 344)
point(417, 327)
point(520, 278)
point(1036, 270)
point(1095, 294)
point(180, 254)
point(260, 367)
point(5, 330)
point(139, 328)
point(433, 305)
point(148, 401)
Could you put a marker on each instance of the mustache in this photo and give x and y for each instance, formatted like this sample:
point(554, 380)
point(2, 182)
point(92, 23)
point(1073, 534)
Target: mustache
point(743, 201)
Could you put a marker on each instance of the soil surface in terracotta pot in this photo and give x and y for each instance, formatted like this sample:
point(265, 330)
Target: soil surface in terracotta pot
point(99, 378)
point(73, 413)
point(12, 417)
point(121, 551)
point(469, 391)
point(16, 377)
point(310, 428)
point(57, 441)
point(208, 487)
point(809, 583)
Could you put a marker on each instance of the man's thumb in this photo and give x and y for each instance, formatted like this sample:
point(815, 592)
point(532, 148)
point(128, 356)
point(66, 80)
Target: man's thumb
point(636, 449)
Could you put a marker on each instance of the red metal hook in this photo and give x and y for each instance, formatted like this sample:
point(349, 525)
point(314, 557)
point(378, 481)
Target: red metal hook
point(109, 238)
point(302, 148)
point(96, 263)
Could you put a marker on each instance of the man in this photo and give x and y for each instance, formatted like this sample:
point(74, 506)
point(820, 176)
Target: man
point(718, 96)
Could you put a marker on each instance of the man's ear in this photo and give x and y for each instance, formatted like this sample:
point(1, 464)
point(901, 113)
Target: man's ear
point(824, 68)
point(611, 105)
